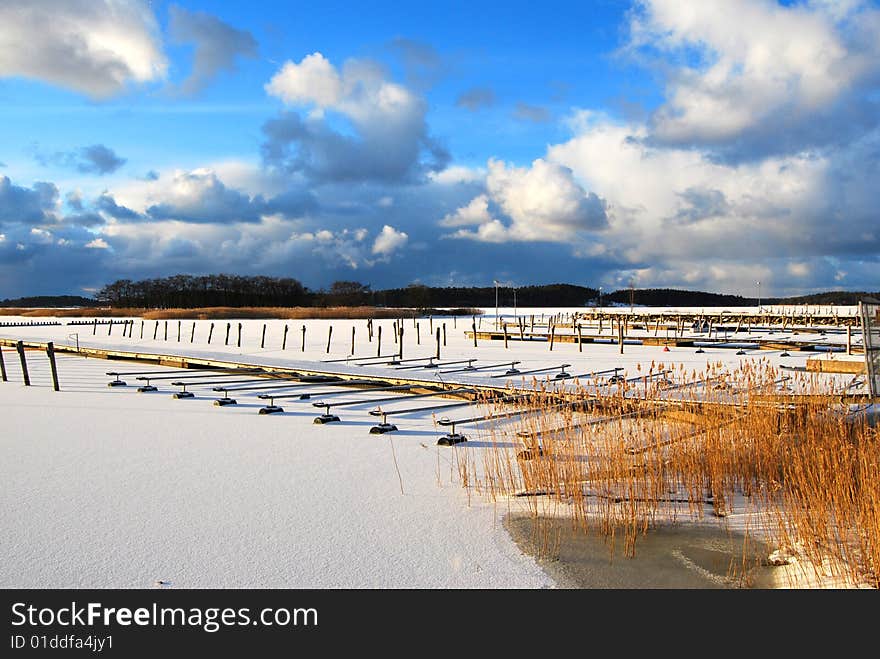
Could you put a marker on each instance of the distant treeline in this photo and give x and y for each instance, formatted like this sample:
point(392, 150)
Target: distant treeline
point(50, 301)
point(224, 290)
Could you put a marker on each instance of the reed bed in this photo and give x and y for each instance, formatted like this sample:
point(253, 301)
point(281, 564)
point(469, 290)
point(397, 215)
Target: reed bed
point(212, 313)
point(786, 450)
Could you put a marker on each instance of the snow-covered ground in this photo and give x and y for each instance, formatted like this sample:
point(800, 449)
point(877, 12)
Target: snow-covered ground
point(105, 487)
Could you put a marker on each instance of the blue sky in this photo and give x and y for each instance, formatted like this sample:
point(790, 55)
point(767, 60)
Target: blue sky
point(693, 145)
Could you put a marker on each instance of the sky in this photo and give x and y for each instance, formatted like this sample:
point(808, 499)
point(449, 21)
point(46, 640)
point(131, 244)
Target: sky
point(706, 145)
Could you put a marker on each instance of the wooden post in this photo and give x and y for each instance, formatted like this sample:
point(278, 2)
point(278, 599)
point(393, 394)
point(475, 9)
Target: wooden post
point(239, 335)
point(522, 328)
point(379, 342)
point(210, 333)
point(438, 343)
point(95, 327)
point(444, 334)
point(263, 338)
point(849, 339)
point(50, 353)
point(474, 327)
point(142, 329)
point(552, 334)
point(284, 340)
point(620, 336)
point(418, 335)
point(532, 327)
point(454, 322)
point(3, 375)
point(228, 327)
point(352, 340)
point(166, 330)
point(155, 330)
point(430, 324)
point(24, 371)
point(304, 338)
point(179, 327)
point(329, 334)
point(110, 328)
point(400, 340)
point(192, 336)
point(370, 330)
point(580, 340)
point(394, 330)
point(504, 327)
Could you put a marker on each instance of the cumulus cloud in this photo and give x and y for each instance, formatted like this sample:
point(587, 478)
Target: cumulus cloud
point(107, 204)
point(389, 240)
point(389, 140)
point(476, 98)
point(217, 45)
point(200, 196)
point(95, 159)
point(543, 202)
point(765, 78)
point(34, 205)
point(96, 47)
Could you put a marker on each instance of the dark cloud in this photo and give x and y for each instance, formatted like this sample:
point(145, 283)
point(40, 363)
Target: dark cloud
point(151, 175)
point(94, 159)
point(476, 98)
point(700, 204)
point(74, 200)
point(107, 204)
point(404, 154)
point(208, 200)
point(217, 45)
point(533, 113)
point(27, 205)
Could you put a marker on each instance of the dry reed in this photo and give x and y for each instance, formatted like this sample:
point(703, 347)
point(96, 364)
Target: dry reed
point(783, 449)
point(212, 313)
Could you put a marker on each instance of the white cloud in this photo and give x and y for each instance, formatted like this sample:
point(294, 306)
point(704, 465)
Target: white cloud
point(314, 80)
point(476, 212)
point(98, 243)
point(389, 240)
point(390, 140)
point(92, 46)
point(758, 61)
point(543, 203)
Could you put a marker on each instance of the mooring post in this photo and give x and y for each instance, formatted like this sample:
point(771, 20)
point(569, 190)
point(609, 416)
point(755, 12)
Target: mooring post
point(304, 338)
point(379, 342)
point(155, 330)
point(50, 353)
point(110, 328)
point(394, 331)
point(142, 329)
point(430, 324)
point(228, 327)
point(580, 339)
point(95, 327)
point(849, 339)
point(166, 330)
point(284, 339)
point(444, 334)
point(3, 366)
point(370, 330)
point(400, 340)
point(418, 335)
point(552, 335)
point(263, 338)
point(192, 336)
point(210, 333)
point(179, 326)
point(438, 343)
point(329, 334)
point(504, 327)
point(454, 322)
point(239, 335)
point(352, 340)
point(474, 327)
point(20, 347)
point(620, 336)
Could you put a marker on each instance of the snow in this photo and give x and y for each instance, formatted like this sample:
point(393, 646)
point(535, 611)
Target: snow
point(104, 487)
